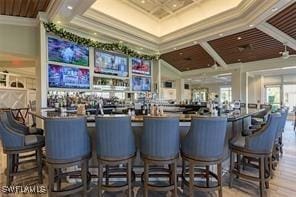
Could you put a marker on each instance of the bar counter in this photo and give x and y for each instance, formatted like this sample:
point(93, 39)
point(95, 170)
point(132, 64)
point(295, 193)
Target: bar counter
point(237, 123)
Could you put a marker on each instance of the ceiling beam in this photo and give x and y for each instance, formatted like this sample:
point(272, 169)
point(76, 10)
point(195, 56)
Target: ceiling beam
point(213, 54)
point(277, 34)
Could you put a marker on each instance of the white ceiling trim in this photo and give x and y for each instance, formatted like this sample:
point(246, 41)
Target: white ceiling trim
point(114, 32)
point(213, 54)
point(278, 35)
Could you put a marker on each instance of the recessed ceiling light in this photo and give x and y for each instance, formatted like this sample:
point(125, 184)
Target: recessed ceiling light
point(70, 7)
point(220, 34)
point(239, 38)
point(175, 48)
point(59, 22)
point(239, 60)
point(95, 33)
point(120, 41)
point(141, 48)
point(274, 9)
point(174, 5)
point(181, 53)
point(251, 25)
point(195, 42)
point(143, 1)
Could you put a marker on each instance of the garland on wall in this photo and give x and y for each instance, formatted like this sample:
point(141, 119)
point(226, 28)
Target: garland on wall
point(119, 47)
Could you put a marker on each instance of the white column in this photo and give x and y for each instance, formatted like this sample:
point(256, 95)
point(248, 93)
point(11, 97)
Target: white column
point(236, 82)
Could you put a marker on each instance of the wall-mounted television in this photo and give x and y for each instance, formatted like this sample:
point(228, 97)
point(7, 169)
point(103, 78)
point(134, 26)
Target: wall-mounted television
point(141, 83)
point(67, 52)
point(67, 77)
point(111, 64)
point(140, 66)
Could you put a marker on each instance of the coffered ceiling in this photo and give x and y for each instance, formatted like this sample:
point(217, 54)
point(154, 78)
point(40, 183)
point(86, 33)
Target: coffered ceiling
point(23, 8)
point(161, 9)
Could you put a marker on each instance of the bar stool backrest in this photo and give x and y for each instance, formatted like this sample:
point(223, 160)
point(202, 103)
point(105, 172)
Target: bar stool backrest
point(11, 122)
point(114, 137)
point(161, 137)
point(206, 138)
point(262, 141)
point(66, 139)
point(10, 138)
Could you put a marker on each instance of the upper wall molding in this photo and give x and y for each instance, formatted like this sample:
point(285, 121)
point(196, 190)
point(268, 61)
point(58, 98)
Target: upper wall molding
point(20, 21)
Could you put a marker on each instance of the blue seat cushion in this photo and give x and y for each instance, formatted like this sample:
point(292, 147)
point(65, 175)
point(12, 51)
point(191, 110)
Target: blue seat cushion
point(34, 140)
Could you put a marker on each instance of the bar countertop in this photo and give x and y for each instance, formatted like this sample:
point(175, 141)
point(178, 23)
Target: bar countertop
point(232, 116)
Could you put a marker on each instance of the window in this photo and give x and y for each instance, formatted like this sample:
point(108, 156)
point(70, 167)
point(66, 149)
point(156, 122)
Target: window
point(273, 96)
point(225, 94)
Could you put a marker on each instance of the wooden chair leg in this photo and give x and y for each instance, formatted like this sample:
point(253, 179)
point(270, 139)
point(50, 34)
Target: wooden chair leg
point(270, 167)
point(238, 159)
point(51, 181)
point(59, 179)
point(146, 178)
point(183, 173)
point(39, 164)
point(191, 179)
point(129, 178)
point(9, 168)
point(107, 174)
point(261, 176)
point(100, 179)
point(207, 176)
point(175, 178)
point(84, 169)
point(266, 171)
point(219, 172)
point(231, 169)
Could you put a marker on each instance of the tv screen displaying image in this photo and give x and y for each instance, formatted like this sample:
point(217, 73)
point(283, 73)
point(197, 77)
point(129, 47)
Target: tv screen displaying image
point(141, 83)
point(140, 66)
point(67, 77)
point(111, 64)
point(67, 52)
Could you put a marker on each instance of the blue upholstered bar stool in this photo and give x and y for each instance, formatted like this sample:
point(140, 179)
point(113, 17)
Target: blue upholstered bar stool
point(15, 143)
point(160, 146)
point(13, 123)
point(204, 146)
point(258, 146)
point(115, 145)
point(67, 144)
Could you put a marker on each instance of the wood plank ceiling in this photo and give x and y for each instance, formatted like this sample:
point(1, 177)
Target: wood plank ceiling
point(190, 58)
point(23, 8)
point(248, 46)
point(286, 20)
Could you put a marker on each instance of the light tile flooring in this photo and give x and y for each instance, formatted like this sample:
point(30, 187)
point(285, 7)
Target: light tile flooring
point(283, 183)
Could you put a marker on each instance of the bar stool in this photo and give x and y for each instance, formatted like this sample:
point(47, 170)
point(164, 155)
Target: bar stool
point(258, 146)
point(115, 145)
point(20, 127)
point(67, 144)
point(160, 146)
point(14, 143)
point(204, 146)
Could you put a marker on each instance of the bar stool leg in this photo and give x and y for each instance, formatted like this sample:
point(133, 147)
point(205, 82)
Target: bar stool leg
point(59, 180)
point(50, 180)
point(84, 169)
point(207, 176)
point(146, 178)
point(183, 173)
point(231, 169)
point(39, 164)
point(270, 167)
point(9, 167)
point(261, 175)
point(107, 174)
point(191, 179)
point(175, 178)
point(100, 179)
point(219, 172)
point(129, 177)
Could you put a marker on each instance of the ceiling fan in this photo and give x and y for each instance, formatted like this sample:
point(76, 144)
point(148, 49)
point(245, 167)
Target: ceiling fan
point(286, 54)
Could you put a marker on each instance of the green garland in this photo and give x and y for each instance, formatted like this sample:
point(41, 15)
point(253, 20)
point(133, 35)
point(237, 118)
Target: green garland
point(119, 47)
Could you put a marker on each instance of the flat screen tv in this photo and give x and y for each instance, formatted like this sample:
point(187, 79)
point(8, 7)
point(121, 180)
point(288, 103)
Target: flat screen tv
point(67, 52)
point(110, 64)
point(141, 83)
point(140, 66)
point(67, 77)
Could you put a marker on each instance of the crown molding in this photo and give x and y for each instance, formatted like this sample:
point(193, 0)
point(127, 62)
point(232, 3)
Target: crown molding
point(20, 21)
point(116, 33)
